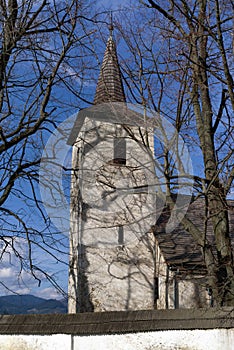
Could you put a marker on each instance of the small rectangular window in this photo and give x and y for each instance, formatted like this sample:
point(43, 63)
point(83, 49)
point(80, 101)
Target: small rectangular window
point(120, 235)
point(119, 151)
point(156, 289)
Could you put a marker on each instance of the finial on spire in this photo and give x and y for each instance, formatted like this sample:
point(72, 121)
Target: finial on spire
point(111, 27)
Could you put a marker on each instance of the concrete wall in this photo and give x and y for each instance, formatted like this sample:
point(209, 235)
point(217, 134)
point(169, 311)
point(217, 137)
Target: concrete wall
point(204, 329)
point(215, 339)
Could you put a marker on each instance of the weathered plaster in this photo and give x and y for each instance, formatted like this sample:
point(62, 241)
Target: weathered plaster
point(35, 342)
point(167, 340)
point(103, 275)
point(213, 339)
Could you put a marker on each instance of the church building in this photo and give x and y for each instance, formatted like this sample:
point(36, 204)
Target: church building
point(120, 256)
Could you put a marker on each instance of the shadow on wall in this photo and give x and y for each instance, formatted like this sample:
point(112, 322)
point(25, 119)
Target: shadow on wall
point(84, 302)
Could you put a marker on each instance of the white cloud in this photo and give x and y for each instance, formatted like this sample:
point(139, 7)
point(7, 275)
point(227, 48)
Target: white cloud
point(23, 283)
point(22, 291)
point(47, 293)
point(6, 272)
point(15, 279)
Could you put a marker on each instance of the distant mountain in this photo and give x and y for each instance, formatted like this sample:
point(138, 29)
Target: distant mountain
point(29, 304)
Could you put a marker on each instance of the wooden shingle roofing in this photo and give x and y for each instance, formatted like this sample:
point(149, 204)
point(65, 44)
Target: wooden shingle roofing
point(114, 113)
point(117, 322)
point(178, 247)
point(110, 85)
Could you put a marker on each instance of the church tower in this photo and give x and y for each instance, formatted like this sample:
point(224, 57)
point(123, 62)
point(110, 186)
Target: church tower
point(112, 201)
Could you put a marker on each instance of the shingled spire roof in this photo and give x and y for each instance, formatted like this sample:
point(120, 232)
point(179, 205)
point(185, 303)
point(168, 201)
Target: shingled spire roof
point(110, 85)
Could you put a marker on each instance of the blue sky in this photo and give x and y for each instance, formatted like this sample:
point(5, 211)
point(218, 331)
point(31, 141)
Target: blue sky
point(10, 269)
point(113, 4)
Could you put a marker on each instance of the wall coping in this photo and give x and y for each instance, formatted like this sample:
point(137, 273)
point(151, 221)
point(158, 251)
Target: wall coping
point(117, 322)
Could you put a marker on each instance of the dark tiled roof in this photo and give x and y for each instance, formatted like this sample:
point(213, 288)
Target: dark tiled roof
point(115, 113)
point(117, 322)
point(179, 247)
point(110, 86)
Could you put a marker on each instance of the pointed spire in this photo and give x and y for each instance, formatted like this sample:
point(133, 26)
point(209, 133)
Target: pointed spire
point(110, 85)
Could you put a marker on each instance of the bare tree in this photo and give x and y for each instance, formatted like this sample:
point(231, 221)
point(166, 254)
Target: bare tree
point(182, 54)
point(43, 45)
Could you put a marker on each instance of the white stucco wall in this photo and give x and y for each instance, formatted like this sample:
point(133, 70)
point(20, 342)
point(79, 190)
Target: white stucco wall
point(161, 340)
point(215, 339)
point(111, 277)
point(33, 342)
